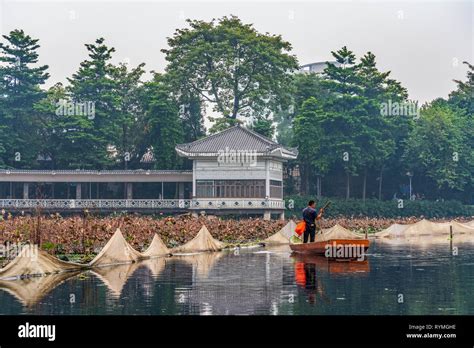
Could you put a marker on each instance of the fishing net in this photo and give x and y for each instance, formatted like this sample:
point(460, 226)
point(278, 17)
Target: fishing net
point(201, 263)
point(277, 238)
point(156, 249)
point(29, 291)
point(337, 232)
point(289, 229)
point(115, 277)
point(395, 230)
point(462, 228)
point(116, 251)
point(283, 236)
point(425, 228)
point(155, 265)
point(33, 261)
point(425, 233)
point(202, 242)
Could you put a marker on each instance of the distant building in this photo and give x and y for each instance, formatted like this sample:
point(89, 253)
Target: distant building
point(316, 68)
point(237, 167)
point(234, 171)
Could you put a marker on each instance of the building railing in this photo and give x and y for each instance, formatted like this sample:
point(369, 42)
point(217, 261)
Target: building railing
point(194, 204)
point(95, 203)
point(93, 172)
point(237, 203)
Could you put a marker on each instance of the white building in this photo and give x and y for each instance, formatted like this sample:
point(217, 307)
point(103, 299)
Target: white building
point(236, 171)
point(317, 67)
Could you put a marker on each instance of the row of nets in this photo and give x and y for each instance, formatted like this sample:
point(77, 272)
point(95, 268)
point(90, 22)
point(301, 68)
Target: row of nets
point(32, 261)
point(428, 232)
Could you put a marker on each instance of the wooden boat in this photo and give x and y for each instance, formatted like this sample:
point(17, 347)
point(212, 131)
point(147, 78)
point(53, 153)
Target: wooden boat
point(334, 245)
point(334, 266)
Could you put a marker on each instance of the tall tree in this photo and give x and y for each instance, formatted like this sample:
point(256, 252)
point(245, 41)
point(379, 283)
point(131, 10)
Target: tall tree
point(345, 107)
point(462, 98)
point(231, 65)
point(191, 112)
point(376, 134)
point(303, 86)
point(311, 140)
point(435, 148)
point(20, 81)
point(462, 101)
point(54, 127)
point(163, 127)
point(129, 109)
point(92, 137)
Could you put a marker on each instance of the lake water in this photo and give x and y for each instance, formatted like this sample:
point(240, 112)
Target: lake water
point(268, 281)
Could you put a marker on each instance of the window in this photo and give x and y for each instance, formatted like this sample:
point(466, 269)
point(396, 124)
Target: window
point(275, 166)
point(204, 189)
point(230, 188)
point(170, 190)
point(276, 189)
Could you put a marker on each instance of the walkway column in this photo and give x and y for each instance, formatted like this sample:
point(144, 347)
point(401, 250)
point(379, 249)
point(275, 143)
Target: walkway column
point(129, 189)
point(25, 190)
point(194, 180)
point(78, 190)
point(267, 178)
point(282, 215)
point(267, 215)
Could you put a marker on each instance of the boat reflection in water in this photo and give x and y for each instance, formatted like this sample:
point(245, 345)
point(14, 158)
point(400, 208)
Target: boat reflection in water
point(308, 269)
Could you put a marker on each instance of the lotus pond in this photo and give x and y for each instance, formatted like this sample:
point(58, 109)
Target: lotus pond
point(393, 280)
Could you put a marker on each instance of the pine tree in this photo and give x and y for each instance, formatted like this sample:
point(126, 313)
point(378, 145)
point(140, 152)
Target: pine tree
point(162, 125)
point(20, 81)
point(129, 113)
point(345, 107)
point(92, 137)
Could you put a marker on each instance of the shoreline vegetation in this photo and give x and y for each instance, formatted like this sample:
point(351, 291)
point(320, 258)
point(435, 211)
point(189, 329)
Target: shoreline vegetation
point(78, 238)
point(400, 207)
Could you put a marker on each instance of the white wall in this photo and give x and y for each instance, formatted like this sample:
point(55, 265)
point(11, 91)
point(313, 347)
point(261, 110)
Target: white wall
point(213, 170)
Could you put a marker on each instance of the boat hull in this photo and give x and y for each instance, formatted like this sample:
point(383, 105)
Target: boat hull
point(334, 266)
point(319, 248)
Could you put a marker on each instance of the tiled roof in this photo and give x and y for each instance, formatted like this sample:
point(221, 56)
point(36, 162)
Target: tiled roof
point(234, 138)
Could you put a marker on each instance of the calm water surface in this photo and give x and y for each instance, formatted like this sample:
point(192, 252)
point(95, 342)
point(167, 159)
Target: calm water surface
point(269, 281)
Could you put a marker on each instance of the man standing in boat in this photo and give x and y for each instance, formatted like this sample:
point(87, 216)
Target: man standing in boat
point(310, 216)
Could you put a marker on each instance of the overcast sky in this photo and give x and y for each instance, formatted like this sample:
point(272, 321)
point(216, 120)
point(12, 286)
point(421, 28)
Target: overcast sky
point(423, 43)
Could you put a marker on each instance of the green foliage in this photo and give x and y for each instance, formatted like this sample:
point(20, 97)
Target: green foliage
point(242, 73)
point(382, 209)
point(93, 82)
point(163, 128)
point(20, 81)
point(231, 65)
point(340, 124)
point(48, 246)
point(263, 126)
point(436, 148)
